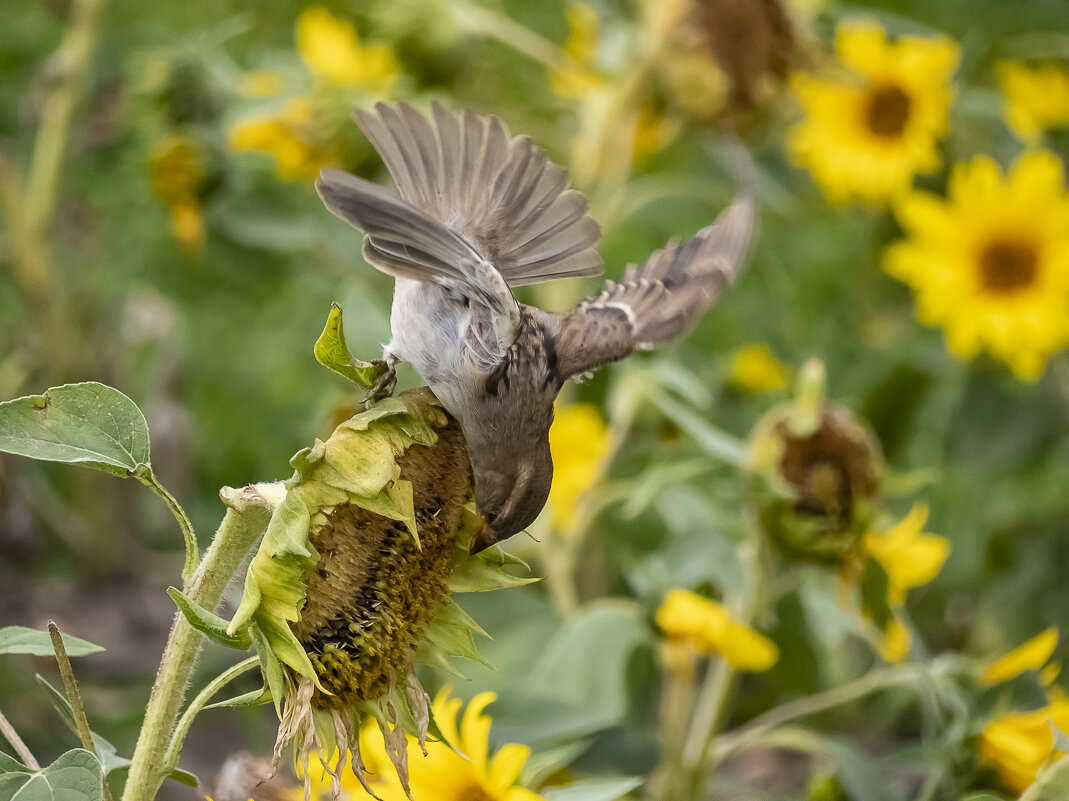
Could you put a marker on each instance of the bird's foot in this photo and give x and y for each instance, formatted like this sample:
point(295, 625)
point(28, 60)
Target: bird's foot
point(387, 382)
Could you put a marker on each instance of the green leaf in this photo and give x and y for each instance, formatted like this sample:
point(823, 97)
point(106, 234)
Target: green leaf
point(87, 424)
point(270, 667)
point(208, 623)
point(251, 698)
point(874, 594)
point(106, 752)
point(75, 776)
point(1052, 784)
point(593, 790)
point(331, 351)
point(9, 763)
point(22, 640)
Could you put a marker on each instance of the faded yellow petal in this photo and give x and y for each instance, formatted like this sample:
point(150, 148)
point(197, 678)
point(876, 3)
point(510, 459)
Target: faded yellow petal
point(1032, 655)
point(894, 647)
point(910, 557)
point(748, 650)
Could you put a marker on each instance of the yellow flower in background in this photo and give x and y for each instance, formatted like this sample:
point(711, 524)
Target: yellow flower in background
point(579, 443)
point(578, 77)
point(755, 369)
point(707, 627)
point(290, 137)
point(1035, 99)
point(1017, 745)
point(1033, 655)
point(332, 50)
point(260, 83)
point(895, 642)
point(991, 262)
point(458, 769)
point(864, 139)
point(176, 174)
point(910, 556)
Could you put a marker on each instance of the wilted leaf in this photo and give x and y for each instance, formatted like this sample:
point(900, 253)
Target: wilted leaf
point(87, 424)
point(75, 776)
point(332, 352)
point(23, 640)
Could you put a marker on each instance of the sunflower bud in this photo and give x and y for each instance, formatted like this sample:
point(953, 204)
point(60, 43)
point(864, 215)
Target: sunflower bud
point(352, 582)
point(816, 473)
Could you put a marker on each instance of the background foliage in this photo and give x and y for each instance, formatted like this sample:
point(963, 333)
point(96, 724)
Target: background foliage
point(186, 266)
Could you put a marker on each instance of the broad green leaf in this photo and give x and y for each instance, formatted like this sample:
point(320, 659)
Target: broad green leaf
point(331, 351)
point(984, 796)
point(23, 640)
point(87, 424)
point(593, 790)
point(208, 623)
point(9, 763)
point(75, 776)
point(1052, 784)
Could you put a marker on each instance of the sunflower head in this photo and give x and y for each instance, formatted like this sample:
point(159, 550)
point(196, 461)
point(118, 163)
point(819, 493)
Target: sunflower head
point(868, 129)
point(990, 262)
point(816, 473)
point(351, 584)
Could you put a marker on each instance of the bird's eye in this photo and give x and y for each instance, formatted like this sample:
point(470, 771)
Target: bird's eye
point(491, 518)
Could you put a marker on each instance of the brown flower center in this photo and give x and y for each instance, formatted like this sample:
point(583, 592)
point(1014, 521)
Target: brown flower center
point(1007, 266)
point(887, 111)
point(474, 792)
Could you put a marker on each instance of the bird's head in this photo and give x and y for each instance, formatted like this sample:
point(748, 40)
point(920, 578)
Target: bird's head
point(511, 487)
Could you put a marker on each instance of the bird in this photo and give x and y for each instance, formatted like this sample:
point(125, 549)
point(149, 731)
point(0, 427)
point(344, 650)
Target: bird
point(477, 213)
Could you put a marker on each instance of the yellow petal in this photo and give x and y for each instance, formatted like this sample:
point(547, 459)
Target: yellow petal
point(475, 731)
point(506, 765)
point(748, 650)
point(445, 711)
point(1033, 655)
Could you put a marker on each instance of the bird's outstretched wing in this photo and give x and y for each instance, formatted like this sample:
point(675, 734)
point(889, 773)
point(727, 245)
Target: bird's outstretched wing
point(661, 301)
point(501, 195)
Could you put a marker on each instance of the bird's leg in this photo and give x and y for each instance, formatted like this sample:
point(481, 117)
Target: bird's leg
point(384, 387)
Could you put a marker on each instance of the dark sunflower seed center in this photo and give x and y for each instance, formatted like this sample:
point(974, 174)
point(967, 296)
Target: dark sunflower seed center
point(1007, 266)
point(887, 111)
point(474, 793)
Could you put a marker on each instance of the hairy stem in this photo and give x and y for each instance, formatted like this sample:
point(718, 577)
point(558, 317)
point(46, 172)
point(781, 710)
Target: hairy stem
point(12, 737)
point(236, 534)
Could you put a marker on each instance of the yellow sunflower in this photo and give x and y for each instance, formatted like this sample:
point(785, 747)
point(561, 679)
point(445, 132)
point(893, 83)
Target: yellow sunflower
point(865, 136)
point(991, 262)
point(1035, 99)
point(458, 769)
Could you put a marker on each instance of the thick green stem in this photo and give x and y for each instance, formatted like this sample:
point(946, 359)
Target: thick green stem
point(189, 536)
point(236, 534)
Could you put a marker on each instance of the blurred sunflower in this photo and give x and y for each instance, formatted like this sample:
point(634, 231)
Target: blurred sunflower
point(579, 443)
point(290, 136)
point(754, 368)
point(865, 136)
point(1035, 98)
point(991, 262)
point(1032, 655)
point(1018, 744)
point(332, 50)
point(177, 175)
point(705, 626)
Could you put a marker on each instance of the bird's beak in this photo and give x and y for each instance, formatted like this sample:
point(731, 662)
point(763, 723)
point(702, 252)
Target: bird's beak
point(482, 539)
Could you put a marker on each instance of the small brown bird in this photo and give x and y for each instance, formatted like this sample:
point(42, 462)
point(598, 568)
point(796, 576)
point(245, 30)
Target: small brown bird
point(480, 212)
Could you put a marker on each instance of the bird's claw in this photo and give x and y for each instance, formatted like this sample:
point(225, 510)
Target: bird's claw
point(386, 383)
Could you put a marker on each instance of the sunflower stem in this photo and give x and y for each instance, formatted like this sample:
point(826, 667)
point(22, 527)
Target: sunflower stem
point(721, 683)
point(239, 531)
point(12, 736)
